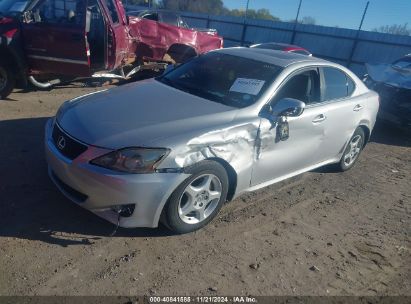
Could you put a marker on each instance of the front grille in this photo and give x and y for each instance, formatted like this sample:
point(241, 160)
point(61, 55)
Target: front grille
point(76, 195)
point(67, 146)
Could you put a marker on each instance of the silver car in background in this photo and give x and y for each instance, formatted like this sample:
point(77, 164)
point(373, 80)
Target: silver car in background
point(177, 147)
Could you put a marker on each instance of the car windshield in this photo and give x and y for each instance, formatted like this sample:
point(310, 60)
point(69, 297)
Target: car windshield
point(10, 7)
point(230, 80)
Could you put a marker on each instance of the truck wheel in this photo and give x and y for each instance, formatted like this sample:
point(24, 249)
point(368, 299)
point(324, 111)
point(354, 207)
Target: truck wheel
point(7, 81)
point(198, 199)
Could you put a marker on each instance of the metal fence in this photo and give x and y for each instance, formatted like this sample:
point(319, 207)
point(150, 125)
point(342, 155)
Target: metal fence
point(348, 47)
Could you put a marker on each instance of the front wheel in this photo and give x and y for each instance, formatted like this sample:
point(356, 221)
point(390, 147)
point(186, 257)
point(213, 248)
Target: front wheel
point(198, 199)
point(7, 81)
point(352, 151)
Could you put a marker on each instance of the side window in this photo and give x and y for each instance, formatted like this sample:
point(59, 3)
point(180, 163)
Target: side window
point(304, 86)
point(113, 11)
point(150, 16)
point(59, 11)
point(169, 18)
point(336, 84)
point(182, 23)
point(350, 86)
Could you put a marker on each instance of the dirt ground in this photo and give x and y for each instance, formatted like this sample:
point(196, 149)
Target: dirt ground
point(321, 233)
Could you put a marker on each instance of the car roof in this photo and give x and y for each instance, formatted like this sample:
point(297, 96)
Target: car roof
point(281, 45)
point(279, 58)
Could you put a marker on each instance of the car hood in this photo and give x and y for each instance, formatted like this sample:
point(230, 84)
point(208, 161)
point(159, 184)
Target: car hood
point(386, 73)
point(138, 114)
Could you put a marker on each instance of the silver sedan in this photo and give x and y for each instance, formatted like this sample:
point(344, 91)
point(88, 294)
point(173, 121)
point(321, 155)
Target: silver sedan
point(176, 148)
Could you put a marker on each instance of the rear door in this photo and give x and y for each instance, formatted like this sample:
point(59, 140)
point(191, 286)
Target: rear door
point(55, 39)
point(342, 113)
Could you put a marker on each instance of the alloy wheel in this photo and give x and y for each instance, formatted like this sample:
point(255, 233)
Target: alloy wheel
point(199, 199)
point(352, 154)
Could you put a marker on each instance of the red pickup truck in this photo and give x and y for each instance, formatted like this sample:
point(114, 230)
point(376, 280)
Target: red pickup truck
point(44, 41)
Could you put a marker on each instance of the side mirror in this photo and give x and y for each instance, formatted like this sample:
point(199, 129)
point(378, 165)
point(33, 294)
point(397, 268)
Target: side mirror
point(288, 107)
point(28, 17)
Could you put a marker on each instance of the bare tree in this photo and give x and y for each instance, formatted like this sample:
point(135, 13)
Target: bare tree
point(395, 29)
point(308, 20)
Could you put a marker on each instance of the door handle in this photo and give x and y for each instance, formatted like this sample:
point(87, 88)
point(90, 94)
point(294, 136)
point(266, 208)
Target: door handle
point(320, 118)
point(357, 108)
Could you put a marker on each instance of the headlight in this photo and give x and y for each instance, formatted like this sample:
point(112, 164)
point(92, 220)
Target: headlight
point(132, 160)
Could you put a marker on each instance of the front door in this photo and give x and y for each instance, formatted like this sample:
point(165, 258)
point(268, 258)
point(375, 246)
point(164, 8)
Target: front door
point(117, 34)
point(55, 38)
point(281, 159)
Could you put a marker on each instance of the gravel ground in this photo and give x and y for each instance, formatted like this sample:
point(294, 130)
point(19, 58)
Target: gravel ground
point(321, 233)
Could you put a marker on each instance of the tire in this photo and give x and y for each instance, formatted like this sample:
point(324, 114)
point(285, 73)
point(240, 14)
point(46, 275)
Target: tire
point(7, 80)
point(198, 199)
point(352, 151)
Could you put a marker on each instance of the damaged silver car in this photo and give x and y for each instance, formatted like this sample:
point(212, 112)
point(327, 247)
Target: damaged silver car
point(176, 148)
point(393, 83)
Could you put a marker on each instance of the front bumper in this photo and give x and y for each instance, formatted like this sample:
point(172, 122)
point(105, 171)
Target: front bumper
point(99, 190)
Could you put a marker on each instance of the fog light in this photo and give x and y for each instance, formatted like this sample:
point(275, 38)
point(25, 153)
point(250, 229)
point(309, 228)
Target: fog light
point(124, 210)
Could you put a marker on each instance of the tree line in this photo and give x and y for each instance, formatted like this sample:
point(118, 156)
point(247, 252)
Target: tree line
point(211, 7)
point(216, 7)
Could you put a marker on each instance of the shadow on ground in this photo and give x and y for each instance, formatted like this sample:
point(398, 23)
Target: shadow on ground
point(32, 208)
point(30, 205)
point(387, 134)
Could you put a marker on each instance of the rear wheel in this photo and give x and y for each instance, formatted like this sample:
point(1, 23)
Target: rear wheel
point(198, 199)
point(7, 80)
point(353, 150)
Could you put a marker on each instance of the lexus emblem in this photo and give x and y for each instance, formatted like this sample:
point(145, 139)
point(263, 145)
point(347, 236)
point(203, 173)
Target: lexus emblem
point(61, 143)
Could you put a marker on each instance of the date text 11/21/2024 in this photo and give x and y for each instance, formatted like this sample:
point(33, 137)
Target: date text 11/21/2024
point(203, 299)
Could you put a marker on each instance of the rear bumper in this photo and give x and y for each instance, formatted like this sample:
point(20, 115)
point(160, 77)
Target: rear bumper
point(99, 190)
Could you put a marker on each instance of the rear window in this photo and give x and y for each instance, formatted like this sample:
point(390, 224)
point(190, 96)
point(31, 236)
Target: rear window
point(226, 79)
point(337, 84)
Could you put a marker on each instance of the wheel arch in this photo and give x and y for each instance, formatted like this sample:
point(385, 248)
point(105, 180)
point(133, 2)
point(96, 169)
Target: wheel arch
point(232, 176)
point(15, 61)
point(367, 133)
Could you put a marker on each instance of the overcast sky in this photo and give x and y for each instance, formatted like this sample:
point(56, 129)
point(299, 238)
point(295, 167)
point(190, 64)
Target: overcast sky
point(342, 13)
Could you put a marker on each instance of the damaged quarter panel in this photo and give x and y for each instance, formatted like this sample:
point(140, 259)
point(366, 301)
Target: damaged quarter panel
point(234, 142)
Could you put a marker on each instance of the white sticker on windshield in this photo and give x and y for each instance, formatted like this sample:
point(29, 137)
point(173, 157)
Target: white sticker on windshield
point(247, 86)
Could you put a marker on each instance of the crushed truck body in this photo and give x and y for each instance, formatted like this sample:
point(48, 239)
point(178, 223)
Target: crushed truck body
point(44, 44)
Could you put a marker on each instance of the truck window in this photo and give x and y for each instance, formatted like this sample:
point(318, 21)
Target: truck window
point(60, 11)
point(113, 11)
point(182, 23)
point(169, 18)
point(150, 16)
